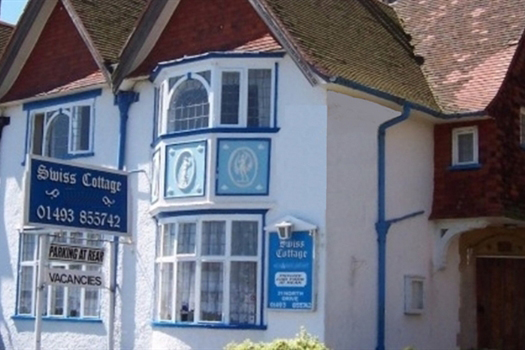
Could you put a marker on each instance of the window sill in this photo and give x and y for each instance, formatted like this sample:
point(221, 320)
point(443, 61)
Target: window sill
point(208, 325)
point(79, 155)
point(58, 319)
point(460, 167)
point(217, 130)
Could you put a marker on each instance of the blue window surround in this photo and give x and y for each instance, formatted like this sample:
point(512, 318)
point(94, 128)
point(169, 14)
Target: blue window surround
point(261, 212)
point(158, 180)
point(267, 175)
point(458, 167)
point(166, 168)
point(34, 105)
point(57, 319)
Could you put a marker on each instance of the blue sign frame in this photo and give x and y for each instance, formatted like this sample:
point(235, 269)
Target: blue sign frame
point(291, 272)
point(66, 195)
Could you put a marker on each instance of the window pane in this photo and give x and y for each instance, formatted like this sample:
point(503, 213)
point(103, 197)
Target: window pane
point(58, 137)
point(259, 97)
point(94, 240)
point(25, 299)
point(244, 238)
point(213, 237)
point(230, 97)
point(28, 247)
point(73, 298)
point(211, 291)
point(186, 238)
point(168, 240)
point(80, 128)
point(166, 292)
point(243, 292)
point(38, 133)
point(76, 238)
point(91, 297)
point(57, 299)
point(185, 291)
point(465, 148)
point(189, 107)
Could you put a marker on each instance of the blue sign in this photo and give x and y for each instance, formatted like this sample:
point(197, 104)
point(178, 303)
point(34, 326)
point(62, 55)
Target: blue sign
point(77, 197)
point(291, 269)
point(185, 170)
point(243, 167)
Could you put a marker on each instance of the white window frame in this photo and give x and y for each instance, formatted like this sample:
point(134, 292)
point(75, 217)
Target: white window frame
point(409, 296)
point(63, 109)
point(455, 145)
point(214, 89)
point(522, 127)
point(47, 302)
point(199, 259)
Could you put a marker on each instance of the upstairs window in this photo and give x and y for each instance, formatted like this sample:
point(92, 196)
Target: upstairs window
point(216, 96)
point(465, 146)
point(63, 133)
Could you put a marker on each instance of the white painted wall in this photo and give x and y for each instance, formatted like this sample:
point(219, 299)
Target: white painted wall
point(351, 300)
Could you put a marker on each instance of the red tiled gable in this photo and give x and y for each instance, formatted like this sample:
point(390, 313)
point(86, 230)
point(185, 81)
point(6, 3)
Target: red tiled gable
point(467, 46)
point(199, 26)
point(59, 58)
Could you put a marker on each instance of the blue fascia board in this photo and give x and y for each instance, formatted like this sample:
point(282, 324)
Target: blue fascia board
point(400, 101)
point(212, 55)
point(209, 325)
point(57, 319)
point(169, 214)
point(216, 130)
point(61, 100)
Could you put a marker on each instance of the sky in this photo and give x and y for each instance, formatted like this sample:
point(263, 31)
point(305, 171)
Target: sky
point(11, 10)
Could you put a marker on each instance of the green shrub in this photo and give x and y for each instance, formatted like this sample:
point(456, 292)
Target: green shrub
point(302, 341)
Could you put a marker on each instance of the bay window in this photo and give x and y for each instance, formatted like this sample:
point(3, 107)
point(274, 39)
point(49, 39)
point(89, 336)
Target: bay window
point(208, 271)
point(217, 96)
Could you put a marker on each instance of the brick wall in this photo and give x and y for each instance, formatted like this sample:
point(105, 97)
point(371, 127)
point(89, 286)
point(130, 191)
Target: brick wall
point(199, 26)
point(498, 187)
point(59, 57)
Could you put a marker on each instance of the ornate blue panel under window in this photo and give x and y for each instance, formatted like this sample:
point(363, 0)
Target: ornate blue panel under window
point(243, 167)
point(185, 170)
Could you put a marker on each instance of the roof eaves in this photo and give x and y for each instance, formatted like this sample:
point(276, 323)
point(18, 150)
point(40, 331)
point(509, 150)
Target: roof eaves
point(18, 37)
point(285, 40)
point(87, 39)
point(136, 40)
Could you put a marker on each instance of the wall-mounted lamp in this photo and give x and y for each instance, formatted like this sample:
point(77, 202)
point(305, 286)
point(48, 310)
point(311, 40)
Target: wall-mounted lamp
point(284, 229)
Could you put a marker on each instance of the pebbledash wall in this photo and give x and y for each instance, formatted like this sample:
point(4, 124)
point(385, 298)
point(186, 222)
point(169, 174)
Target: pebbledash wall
point(297, 187)
point(351, 244)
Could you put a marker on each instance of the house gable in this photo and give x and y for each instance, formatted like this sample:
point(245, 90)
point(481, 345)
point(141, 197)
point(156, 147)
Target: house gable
point(199, 26)
point(58, 60)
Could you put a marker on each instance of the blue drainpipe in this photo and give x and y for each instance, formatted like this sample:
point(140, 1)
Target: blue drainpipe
point(123, 99)
point(383, 225)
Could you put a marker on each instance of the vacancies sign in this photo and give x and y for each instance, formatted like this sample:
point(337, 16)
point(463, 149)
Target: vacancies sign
point(78, 197)
point(70, 253)
point(74, 278)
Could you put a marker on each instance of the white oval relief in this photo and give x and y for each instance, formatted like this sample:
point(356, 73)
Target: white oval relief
point(185, 169)
point(243, 167)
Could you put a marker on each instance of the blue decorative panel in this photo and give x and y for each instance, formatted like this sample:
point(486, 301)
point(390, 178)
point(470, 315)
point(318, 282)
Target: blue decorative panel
point(185, 170)
point(243, 167)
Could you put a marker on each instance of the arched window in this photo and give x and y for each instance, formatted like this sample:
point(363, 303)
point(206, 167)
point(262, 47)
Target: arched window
point(57, 137)
point(189, 107)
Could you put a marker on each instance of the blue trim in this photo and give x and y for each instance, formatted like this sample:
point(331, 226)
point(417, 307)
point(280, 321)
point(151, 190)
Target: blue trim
point(62, 100)
point(171, 214)
point(211, 55)
point(208, 325)
point(164, 192)
point(156, 109)
point(460, 167)
point(18, 270)
point(399, 100)
point(26, 149)
point(158, 184)
point(218, 130)
point(263, 264)
point(57, 319)
point(276, 94)
point(267, 192)
point(80, 155)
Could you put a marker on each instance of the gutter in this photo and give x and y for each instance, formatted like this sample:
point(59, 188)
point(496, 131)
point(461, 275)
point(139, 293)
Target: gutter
point(123, 99)
point(382, 225)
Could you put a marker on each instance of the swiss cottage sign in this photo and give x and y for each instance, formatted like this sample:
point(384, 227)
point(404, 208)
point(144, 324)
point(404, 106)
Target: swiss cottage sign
point(77, 197)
